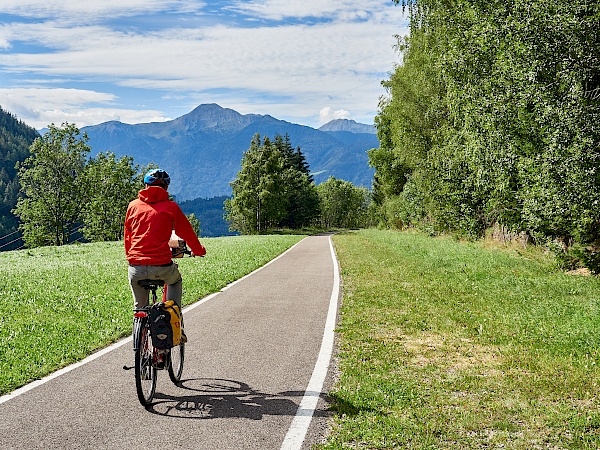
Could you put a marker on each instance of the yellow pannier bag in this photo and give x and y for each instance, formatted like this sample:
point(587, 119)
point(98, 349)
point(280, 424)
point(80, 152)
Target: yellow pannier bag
point(165, 325)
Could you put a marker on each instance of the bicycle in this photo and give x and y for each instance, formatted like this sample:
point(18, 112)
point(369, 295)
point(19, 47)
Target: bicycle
point(149, 360)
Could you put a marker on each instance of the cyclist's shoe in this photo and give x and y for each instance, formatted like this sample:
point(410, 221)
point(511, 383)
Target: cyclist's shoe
point(183, 337)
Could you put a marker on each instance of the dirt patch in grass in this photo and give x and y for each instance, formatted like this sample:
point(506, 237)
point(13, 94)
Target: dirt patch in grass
point(582, 271)
point(455, 354)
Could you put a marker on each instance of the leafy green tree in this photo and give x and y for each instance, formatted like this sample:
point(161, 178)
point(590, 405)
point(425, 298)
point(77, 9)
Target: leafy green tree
point(257, 204)
point(493, 119)
point(409, 129)
point(111, 188)
point(243, 210)
point(53, 186)
point(343, 205)
point(195, 222)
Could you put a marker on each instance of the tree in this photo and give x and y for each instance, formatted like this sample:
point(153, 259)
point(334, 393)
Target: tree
point(258, 203)
point(272, 189)
point(409, 130)
point(195, 222)
point(53, 186)
point(342, 204)
point(243, 210)
point(303, 200)
point(112, 187)
point(493, 119)
point(15, 140)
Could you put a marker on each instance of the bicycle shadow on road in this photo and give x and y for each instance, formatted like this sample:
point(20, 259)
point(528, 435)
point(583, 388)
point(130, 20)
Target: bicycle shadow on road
point(219, 398)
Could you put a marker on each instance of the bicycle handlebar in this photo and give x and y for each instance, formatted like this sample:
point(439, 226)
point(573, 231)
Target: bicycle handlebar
point(178, 253)
point(181, 249)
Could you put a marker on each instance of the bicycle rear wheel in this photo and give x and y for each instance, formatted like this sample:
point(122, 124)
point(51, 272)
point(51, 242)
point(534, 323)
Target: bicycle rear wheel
point(145, 372)
point(176, 357)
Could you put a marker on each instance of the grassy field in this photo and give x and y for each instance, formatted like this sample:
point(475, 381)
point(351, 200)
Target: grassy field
point(59, 304)
point(453, 345)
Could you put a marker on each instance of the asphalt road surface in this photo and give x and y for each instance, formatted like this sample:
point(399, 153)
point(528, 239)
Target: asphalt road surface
point(251, 355)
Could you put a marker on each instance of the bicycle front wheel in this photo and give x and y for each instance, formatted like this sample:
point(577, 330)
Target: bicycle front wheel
point(145, 372)
point(176, 357)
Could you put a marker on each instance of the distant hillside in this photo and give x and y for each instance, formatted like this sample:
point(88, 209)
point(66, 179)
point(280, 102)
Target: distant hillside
point(210, 213)
point(203, 149)
point(15, 139)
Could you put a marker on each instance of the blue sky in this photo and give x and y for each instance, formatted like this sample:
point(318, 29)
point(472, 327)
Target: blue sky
point(87, 62)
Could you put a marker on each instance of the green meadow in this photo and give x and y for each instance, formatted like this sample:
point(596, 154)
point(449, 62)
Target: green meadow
point(450, 345)
point(59, 304)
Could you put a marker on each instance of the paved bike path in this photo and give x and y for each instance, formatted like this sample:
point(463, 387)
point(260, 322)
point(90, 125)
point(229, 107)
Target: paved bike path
point(251, 353)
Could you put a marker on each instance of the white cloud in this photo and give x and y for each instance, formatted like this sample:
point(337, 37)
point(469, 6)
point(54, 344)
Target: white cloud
point(284, 9)
point(76, 10)
point(327, 114)
point(278, 59)
point(288, 71)
point(76, 106)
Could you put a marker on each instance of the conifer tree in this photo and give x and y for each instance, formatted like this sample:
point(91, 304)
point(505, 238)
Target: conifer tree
point(270, 190)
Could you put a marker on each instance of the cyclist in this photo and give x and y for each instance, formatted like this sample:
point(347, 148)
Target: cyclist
point(149, 223)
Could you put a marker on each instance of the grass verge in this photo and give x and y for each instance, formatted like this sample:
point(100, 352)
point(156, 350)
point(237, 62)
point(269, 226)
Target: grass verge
point(59, 304)
point(452, 345)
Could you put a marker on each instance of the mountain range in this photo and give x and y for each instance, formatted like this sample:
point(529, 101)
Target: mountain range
point(203, 149)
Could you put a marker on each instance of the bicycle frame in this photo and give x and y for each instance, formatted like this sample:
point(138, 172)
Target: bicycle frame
point(141, 314)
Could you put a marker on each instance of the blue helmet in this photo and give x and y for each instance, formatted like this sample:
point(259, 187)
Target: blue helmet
point(157, 177)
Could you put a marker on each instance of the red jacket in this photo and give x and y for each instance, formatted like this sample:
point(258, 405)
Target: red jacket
point(149, 221)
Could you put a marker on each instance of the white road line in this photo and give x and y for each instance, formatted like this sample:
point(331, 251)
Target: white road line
point(299, 427)
point(122, 342)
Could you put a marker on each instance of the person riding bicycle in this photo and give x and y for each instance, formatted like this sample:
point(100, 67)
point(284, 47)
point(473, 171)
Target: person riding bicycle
point(149, 223)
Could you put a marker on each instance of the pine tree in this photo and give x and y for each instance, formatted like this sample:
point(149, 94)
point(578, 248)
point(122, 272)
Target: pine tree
point(270, 191)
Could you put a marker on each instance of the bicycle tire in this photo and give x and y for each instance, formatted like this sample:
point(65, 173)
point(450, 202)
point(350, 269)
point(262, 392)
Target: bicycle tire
point(145, 372)
point(176, 358)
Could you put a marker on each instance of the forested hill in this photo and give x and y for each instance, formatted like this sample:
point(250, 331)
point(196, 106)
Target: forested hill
point(210, 213)
point(15, 139)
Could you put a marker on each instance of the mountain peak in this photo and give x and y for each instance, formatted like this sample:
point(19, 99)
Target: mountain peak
point(348, 125)
point(210, 116)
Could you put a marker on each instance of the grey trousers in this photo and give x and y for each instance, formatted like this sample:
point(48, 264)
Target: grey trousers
point(169, 274)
